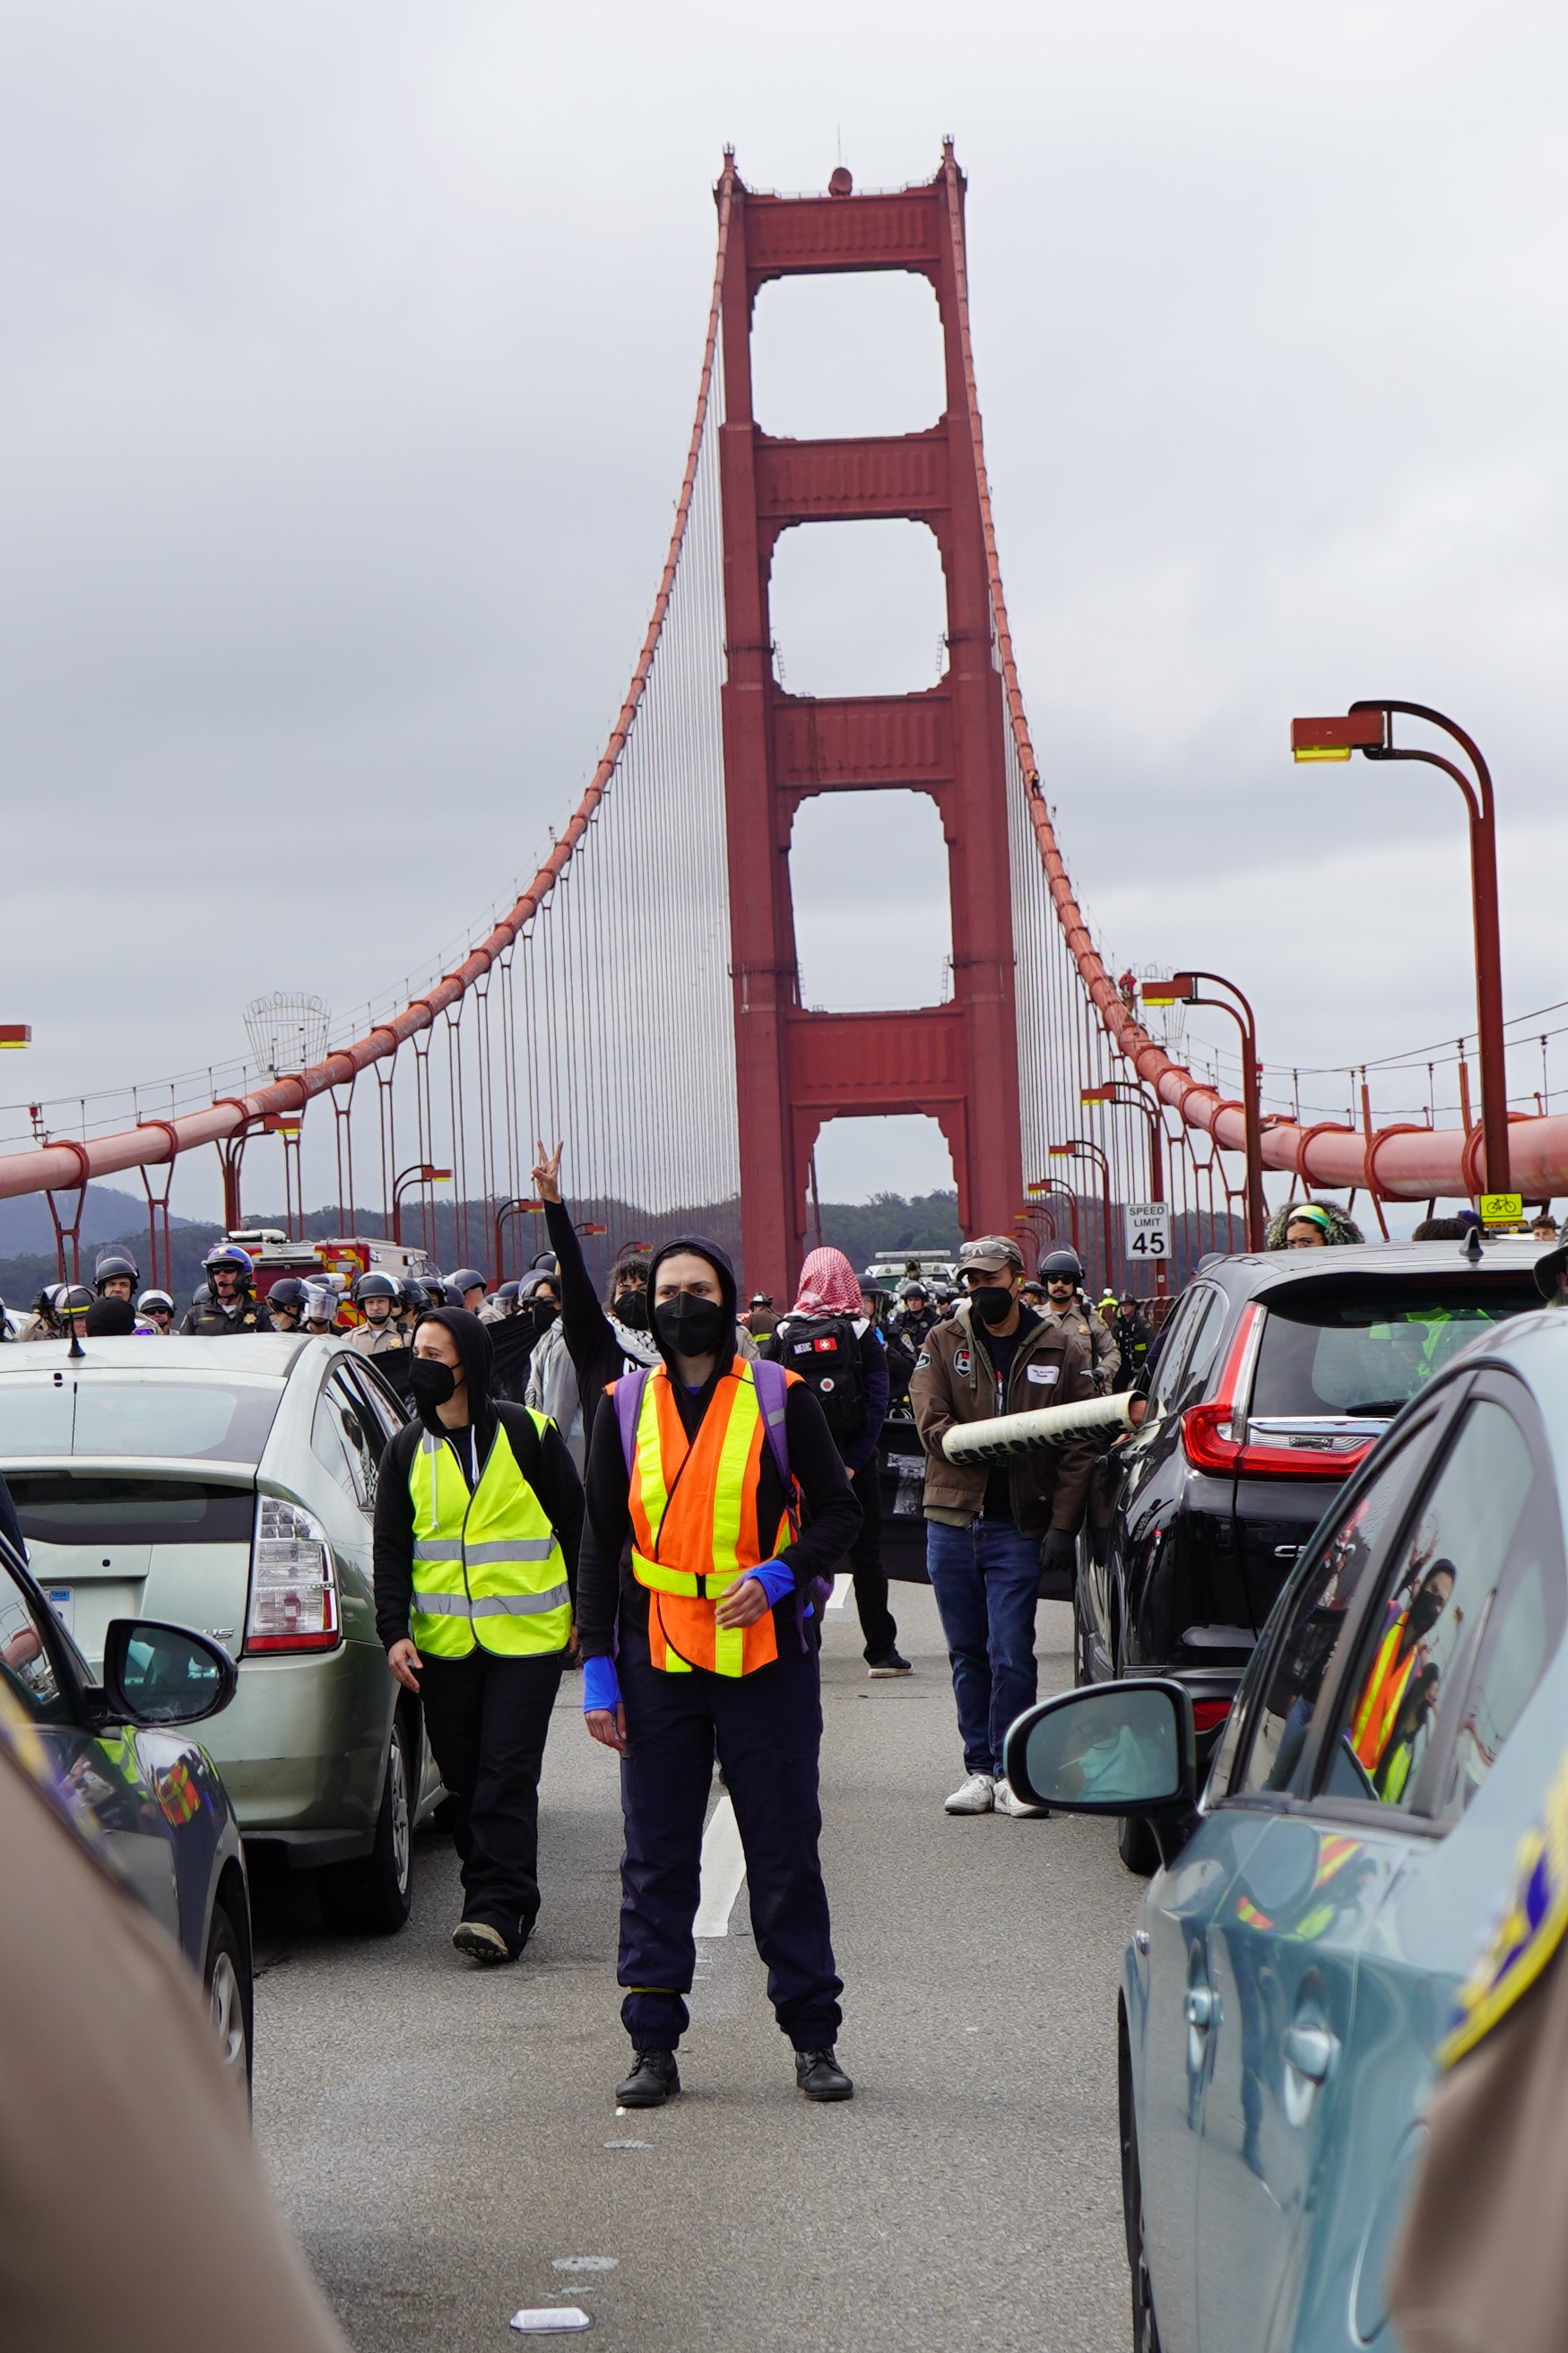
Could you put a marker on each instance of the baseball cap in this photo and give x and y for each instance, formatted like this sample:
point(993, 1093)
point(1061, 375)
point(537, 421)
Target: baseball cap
point(992, 1254)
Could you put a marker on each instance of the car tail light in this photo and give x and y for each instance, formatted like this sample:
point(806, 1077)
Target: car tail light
point(293, 1585)
point(1208, 1431)
point(1209, 1715)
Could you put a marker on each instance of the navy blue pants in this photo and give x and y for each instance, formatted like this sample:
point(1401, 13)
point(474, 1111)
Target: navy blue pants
point(766, 1730)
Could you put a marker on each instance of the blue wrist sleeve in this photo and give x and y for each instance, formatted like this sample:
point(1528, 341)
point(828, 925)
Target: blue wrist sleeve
point(776, 1578)
point(601, 1685)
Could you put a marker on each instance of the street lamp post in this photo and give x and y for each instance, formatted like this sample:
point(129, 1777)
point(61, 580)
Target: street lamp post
point(1132, 1098)
point(1368, 727)
point(420, 1173)
point(1183, 988)
point(1078, 1147)
point(1054, 1188)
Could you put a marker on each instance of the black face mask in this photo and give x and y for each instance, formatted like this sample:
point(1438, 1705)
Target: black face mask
point(690, 1326)
point(631, 1308)
point(432, 1382)
point(992, 1302)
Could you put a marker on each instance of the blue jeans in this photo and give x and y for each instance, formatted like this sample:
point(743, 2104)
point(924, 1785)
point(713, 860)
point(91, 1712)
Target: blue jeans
point(986, 1579)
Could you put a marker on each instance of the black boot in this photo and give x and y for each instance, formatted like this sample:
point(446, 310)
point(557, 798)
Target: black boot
point(655, 2078)
point(820, 2076)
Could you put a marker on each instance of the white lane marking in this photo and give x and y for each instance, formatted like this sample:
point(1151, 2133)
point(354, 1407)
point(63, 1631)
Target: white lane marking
point(723, 1869)
point(841, 1584)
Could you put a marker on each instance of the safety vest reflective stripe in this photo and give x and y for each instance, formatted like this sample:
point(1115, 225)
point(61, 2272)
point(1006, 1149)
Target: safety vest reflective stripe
point(484, 1556)
point(659, 1579)
point(493, 1605)
point(1379, 1700)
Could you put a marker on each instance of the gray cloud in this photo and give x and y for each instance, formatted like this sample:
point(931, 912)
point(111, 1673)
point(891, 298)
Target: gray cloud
point(346, 364)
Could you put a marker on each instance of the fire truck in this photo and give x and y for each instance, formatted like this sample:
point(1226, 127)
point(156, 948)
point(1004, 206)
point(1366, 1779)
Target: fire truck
point(349, 1256)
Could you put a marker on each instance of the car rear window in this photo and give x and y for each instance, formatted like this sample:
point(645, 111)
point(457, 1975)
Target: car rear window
point(61, 1507)
point(215, 1421)
point(1365, 1349)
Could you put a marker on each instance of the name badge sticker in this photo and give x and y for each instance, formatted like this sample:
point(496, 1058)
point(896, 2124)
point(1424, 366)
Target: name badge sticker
point(1045, 1375)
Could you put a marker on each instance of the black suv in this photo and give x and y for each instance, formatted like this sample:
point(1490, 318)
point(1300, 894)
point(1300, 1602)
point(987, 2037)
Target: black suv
point(1274, 1377)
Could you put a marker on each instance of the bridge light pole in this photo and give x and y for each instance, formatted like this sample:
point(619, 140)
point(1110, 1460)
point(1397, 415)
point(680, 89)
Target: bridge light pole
point(1078, 1147)
point(1368, 727)
point(1184, 988)
point(1116, 1091)
point(420, 1173)
point(1053, 1187)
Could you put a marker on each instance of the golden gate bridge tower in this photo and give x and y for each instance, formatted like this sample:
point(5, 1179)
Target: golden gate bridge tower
point(957, 1061)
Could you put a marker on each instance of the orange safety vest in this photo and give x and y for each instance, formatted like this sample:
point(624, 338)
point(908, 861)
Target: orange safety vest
point(693, 1505)
point(1379, 1700)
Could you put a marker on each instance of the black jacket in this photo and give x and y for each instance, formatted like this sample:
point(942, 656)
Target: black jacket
point(210, 1322)
point(544, 1462)
point(830, 1517)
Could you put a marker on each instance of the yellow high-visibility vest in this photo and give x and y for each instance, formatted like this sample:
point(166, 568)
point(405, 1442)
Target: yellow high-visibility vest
point(487, 1565)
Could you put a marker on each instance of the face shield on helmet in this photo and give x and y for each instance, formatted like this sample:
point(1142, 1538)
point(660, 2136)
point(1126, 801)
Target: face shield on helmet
point(116, 1275)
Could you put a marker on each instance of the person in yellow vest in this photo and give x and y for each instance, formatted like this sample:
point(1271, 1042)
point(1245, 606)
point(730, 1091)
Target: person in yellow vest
point(717, 1510)
point(479, 1510)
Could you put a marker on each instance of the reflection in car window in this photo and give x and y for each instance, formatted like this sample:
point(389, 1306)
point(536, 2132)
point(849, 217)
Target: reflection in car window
point(1523, 1629)
point(24, 1661)
point(361, 1434)
point(330, 1445)
point(1365, 1350)
point(1173, 1345)
point(1206, 1345)
point(1436, 1597)
point(1321, 1610)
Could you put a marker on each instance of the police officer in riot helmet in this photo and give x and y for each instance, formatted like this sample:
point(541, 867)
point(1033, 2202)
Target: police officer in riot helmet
point(116, 1275)
point(1061, 1271)
point(157, 1308)
point(232, 1305)
point(375, 1296)
point(471, 1288)
point(45, 1322)
point(285, 1304)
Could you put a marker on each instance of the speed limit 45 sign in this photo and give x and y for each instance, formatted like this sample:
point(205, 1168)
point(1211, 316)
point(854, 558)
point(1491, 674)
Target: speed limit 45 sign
point(1148, 1231)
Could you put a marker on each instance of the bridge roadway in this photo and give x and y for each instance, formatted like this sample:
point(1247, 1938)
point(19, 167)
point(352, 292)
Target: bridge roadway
point(441, 2139)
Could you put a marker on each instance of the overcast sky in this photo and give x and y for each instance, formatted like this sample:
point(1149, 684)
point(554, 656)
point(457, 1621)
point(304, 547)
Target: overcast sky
point(348, 356)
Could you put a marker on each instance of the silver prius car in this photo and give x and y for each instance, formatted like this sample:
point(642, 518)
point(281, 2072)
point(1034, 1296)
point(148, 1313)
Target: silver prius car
point(228, 1485)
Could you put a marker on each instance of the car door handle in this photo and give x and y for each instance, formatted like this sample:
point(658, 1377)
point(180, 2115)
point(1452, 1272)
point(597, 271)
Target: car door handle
point(1312, 2050)
point(1199, 2006)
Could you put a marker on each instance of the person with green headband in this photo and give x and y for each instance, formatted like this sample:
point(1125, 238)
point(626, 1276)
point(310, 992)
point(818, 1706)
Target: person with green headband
point(1311, 1225)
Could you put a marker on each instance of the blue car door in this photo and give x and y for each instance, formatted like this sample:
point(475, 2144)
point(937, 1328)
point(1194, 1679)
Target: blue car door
point(1275, 2000)
point(1484, 1539)
point(101, 1776)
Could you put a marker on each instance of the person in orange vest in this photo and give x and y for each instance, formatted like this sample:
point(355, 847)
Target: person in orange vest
point(717, 1509)
point(1401, 1655)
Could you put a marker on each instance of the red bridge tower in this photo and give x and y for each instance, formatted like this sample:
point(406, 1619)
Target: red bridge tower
point(796, 1070)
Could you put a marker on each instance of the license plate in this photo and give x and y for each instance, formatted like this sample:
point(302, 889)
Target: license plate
point(62, 1601)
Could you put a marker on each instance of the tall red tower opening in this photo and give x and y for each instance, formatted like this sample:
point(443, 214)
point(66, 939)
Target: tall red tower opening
point(796, 1070)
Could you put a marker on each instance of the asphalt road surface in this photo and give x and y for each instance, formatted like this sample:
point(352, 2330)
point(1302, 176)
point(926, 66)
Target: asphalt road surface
point(446, 2143)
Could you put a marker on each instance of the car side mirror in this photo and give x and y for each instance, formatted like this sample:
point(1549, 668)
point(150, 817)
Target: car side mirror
point(1111, 1748)
point(157, 1675)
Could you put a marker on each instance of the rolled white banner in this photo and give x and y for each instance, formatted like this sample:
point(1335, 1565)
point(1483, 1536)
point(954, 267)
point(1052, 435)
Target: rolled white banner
point(1023, 1434)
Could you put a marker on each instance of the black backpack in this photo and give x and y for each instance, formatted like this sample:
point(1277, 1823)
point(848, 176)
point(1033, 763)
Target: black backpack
point(825, 1350)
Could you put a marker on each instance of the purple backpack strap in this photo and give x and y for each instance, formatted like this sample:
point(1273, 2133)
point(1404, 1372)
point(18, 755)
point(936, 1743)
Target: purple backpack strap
point(773, 1387)
point(628, 1393)
point(773, 1391)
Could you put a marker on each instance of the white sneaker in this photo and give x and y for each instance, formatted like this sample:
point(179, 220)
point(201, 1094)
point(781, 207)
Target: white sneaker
point(1007, 1803)
point(974, 1795)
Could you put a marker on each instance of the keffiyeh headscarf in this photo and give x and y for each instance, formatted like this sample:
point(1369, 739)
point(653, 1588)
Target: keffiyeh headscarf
point(828, 1285)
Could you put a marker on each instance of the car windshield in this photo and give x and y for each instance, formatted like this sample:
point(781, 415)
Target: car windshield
point(1366, 1348)
point(215, 1421)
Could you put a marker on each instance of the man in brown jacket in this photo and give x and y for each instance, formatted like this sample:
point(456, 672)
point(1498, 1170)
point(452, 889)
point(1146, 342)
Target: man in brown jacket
point(985, 1522)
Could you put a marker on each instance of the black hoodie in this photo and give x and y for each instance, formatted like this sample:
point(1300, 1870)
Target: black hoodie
point(830, 1517)
point(544, 1462)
